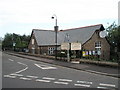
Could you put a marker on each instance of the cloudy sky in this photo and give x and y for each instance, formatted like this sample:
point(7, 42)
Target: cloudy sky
point(21, 16)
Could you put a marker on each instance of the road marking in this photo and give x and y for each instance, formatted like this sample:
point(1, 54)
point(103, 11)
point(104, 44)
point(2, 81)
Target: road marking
point(11, 60)
point(22, 63)
point(84, 82)
point(48, 78)
point(67, 80)
point(31, 76)
point(40, 80)
point(16, 74)
point(9, 76)
point(25, 78)
point(61, 83)
point(110, 85)
point(102, 87)
point(22, 70)
point(45, 66)
point(83, 85)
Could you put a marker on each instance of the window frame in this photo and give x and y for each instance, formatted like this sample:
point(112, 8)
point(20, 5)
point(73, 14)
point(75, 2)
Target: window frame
point(98, 45)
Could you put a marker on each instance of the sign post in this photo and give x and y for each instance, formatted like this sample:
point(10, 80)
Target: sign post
point(14, 46)
point(66, 46)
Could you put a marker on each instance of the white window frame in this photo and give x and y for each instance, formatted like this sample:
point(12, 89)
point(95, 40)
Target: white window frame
point(98, 45)
point(33, 41)
point(51, 50)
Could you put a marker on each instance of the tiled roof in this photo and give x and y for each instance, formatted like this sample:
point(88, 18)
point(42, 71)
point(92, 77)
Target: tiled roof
point(82, 34)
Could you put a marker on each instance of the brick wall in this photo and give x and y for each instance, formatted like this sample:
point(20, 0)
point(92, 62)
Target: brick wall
point(105, 47)
point(35, 46)
point(43, 50)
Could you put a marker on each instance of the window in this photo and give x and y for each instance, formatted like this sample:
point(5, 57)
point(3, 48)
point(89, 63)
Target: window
point(32, 41)
point(51, 50)
point(98, 46)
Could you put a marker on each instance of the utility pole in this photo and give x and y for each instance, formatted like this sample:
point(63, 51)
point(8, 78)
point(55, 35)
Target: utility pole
point(68, 53)
point(56, 30)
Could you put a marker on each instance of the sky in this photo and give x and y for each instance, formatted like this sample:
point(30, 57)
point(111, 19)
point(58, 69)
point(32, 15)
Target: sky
point(21, 16)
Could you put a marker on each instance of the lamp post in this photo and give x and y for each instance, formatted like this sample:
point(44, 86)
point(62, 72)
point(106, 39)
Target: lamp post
point(56, 29)
point(68, 53)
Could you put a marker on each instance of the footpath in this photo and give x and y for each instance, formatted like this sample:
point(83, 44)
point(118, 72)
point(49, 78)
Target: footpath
point(88, 67)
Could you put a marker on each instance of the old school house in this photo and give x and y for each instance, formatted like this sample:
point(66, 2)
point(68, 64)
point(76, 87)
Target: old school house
point(91, 38)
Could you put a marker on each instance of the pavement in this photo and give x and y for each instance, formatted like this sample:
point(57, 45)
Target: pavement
point(102, 70)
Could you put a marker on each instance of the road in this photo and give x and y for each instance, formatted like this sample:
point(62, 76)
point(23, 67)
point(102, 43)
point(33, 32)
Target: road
point(25, 73)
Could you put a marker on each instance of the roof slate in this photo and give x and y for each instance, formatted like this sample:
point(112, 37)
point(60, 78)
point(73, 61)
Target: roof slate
point(82, 34)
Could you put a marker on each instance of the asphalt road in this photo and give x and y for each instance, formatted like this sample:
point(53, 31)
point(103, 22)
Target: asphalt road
point(24, 73)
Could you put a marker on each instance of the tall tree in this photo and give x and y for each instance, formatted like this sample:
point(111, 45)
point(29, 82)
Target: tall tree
point(8, 41)
point(19, 42)
point(114, 39)
point(1, 43)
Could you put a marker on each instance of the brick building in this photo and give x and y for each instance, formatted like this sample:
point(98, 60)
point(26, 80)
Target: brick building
point(43, 41)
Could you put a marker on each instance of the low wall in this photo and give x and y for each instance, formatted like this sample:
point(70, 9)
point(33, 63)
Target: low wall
point(101, 63)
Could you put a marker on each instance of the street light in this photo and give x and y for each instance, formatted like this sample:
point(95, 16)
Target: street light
point(55, 17)
point(68, 53)
point(56, 29)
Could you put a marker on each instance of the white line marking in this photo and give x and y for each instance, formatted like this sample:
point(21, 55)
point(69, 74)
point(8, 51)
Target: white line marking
point(61, 83)
point(9, 76)
point(25, 78)
point(22, 70)
point(31, 76)
point(48, 78)
point(102, 87)
point(45, 66)
point(111, 85)
point(83, 85)
point(40, 80)
point(84, 82)
point(11, 60)
point(67, 80)
point(16, 74)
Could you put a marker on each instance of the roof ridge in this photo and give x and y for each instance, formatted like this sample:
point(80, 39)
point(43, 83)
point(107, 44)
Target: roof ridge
point(41, 30)
point(82, 27)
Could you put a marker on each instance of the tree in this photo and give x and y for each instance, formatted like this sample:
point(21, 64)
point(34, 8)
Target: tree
point(8, 41)
point(114, 39)
point(20, 41)
point(1, 43)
